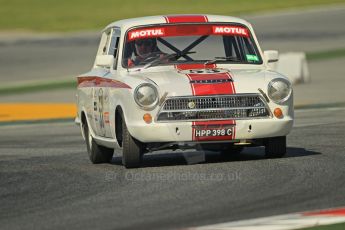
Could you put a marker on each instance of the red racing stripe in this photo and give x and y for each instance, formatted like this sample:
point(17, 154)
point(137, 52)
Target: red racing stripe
point(195, 66)
point(94, 81)
point(330, 212)
point(185, 18)
point(207, 89)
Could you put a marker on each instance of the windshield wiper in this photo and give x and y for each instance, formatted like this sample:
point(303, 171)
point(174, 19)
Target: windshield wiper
point(217, 59)
point(158, 60)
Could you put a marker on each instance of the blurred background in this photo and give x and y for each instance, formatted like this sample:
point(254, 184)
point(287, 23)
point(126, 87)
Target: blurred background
point(46, 179)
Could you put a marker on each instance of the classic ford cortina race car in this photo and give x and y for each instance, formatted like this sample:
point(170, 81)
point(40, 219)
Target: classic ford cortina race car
point(182, 81)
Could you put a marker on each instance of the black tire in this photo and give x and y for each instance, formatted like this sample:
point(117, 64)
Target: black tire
point(132, 150)
point(275, 147)
point(98, 154)
point(231, 150)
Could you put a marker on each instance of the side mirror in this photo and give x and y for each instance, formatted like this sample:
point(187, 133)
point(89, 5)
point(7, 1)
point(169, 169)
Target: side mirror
point(106, 61)
point(271, 58)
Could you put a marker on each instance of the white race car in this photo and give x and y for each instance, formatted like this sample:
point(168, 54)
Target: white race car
point(182, 81)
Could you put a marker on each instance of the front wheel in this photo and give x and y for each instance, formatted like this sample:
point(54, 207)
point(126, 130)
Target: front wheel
point(132, 150)
point(275, 147)
point(97, 153)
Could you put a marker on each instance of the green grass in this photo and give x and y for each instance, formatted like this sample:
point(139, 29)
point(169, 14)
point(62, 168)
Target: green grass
point(340, 226)
point(41, 86)
point(71, 15)
point(329, 54)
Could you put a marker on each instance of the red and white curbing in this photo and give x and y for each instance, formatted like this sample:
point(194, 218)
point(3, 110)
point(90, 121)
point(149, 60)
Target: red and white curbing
point(284, 222)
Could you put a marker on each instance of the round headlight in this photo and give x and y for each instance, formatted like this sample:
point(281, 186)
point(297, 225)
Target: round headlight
point(146, 96)
point(279, 90)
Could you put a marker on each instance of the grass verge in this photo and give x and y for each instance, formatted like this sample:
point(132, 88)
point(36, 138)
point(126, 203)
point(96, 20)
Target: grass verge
point(71, 15)
point(329, 54)
point(40, 86)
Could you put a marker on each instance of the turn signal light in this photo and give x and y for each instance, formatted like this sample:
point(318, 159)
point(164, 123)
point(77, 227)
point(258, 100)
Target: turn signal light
point(278, 113)
point(147, 118)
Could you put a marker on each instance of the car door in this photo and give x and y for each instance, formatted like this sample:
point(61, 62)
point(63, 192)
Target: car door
point(102, 101)
point(113, 50)
point(98, 89)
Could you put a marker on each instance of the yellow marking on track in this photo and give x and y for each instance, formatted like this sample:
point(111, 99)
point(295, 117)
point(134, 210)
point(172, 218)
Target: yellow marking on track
point(36, 111)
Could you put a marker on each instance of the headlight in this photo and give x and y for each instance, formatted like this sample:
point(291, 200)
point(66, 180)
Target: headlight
point(146, 96)
point(279, 90)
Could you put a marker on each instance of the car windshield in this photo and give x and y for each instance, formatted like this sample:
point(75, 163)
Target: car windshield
point(196, 43)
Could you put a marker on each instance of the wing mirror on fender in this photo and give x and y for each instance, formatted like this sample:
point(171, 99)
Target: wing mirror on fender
point(106, 61)
point(271, 58)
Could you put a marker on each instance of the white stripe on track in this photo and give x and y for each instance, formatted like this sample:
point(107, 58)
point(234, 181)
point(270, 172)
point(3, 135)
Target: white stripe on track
point(281, 222)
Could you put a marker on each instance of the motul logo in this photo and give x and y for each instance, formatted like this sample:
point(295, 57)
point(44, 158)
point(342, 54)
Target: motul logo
point(147, 33)
point(232, 30)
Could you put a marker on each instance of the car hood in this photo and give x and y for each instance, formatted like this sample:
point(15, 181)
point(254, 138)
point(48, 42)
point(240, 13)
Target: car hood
point(178, 82)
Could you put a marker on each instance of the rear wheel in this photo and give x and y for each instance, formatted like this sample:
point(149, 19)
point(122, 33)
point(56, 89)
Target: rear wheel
point(97, 153)
point(132, 150)
point(275, 147)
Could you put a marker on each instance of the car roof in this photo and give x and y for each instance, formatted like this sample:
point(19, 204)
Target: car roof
point(178, 18)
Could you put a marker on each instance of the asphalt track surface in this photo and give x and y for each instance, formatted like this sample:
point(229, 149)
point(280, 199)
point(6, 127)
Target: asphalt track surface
point(47, 181)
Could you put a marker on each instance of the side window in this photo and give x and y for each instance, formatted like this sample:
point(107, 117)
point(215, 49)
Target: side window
point(114, 45)
point(109, 43)
point(102, 49)
point(106, 45)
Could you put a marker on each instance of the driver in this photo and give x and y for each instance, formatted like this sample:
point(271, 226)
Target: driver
point(144, 49)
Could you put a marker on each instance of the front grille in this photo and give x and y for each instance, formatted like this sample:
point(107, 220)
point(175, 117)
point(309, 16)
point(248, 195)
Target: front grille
point(239, 106)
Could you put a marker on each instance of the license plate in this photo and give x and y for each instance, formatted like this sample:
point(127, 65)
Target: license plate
point(213, 132)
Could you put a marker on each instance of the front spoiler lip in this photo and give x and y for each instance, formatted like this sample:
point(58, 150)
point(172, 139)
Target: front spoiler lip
point(184, 145)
